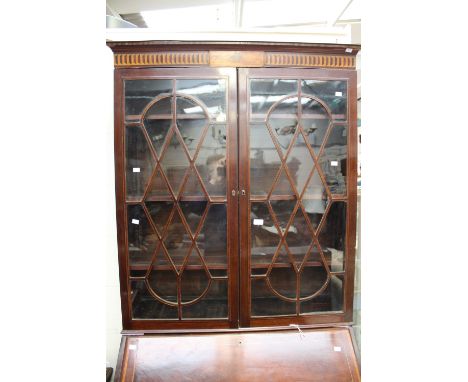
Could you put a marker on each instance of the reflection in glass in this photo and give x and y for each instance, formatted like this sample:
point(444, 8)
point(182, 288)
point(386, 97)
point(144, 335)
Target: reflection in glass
point(264, 160)
point(299, 237)
point(332, 237)
point(193, 282)
point(192, 186)
point(144, 306)
point(139, 93)
point(191, 131)
point(212, 92)
point(177, 240)
point(213, 305)
point(193, 212)
point(331, 299)
point(283, 122)
point(211, 160)
point(174, 163)
point(264, 236)
point(212, 240)
point(142, 240)
point(265, 303)
point(300, 163)
point(333, 93)
point(139, 162)
point(282, 276)
point(283, 210)
point(312, 279)
point(160, 212)
point(333, 160)
point(157, 131)
point(315, 199)
point(265, 92)
point(164, 284)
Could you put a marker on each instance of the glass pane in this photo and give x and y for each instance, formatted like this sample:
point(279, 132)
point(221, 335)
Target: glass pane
point(177, 241)
point(211, 92)
point(282, 277)
point(300, 163)
point(212, 240)
point(315, 199)
point(142, 240)
point(333, 160)
point(332, 237)
point(158, 187)
point(312, 279)
point(211, 160)
point(283, 210)
point(139, 93)
point(283, 122)
point(193, 212)
point(157, 131)
point(265, 303)
point(334, 93)
point(145, 306)
point(189, 108)
point(265, 92)
point(314, 121)
point(213, 305)
point(191, 131)
point(264, 237)
point(192, 186)
point(175, 163)
point(164, 284)
point(160, 212)
point(193, 282)
point(283, 186)
point(138, 161)
point(299, 238)
point(264, 160)
point(331, 299)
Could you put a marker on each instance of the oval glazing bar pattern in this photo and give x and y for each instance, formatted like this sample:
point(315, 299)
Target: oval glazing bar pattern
point(298, 156)
point(176, 141)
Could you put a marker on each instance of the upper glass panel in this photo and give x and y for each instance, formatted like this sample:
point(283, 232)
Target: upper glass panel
point(211, 92)
point(264, 92)
point(333, 92)
point(139, 93)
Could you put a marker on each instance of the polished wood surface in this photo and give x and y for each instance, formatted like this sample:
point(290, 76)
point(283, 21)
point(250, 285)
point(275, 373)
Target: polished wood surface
point(309, 355)
point(174, 61)
point(232, 53)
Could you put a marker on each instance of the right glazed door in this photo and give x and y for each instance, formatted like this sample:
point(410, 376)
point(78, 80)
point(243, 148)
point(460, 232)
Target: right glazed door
point(297, 137)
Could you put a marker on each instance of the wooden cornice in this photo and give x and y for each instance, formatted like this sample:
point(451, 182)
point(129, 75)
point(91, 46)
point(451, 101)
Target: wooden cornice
point(233, 54)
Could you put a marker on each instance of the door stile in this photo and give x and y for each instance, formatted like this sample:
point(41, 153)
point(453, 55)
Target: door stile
point(244, 184)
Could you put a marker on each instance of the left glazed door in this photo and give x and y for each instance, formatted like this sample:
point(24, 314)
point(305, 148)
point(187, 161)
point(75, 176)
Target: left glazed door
point(176, 164)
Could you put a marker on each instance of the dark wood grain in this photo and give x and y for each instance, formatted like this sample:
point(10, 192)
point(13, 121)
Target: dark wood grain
point(314, 355)
point(239, 239)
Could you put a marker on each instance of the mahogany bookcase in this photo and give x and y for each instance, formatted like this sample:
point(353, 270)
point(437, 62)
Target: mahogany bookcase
point(236, 168)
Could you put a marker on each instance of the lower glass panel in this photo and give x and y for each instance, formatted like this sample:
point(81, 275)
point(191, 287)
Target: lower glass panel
point(265, 303)
point(144, 306)
point(330, 300)
point(213, 305)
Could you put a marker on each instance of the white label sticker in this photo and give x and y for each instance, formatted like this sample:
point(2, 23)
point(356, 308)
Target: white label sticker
point(258, 221)
point(135, 221)
point(334, 163)
point(337, 348)
point(348, 50)
point(131, 347)
point(136, 169)
point(338, 94)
